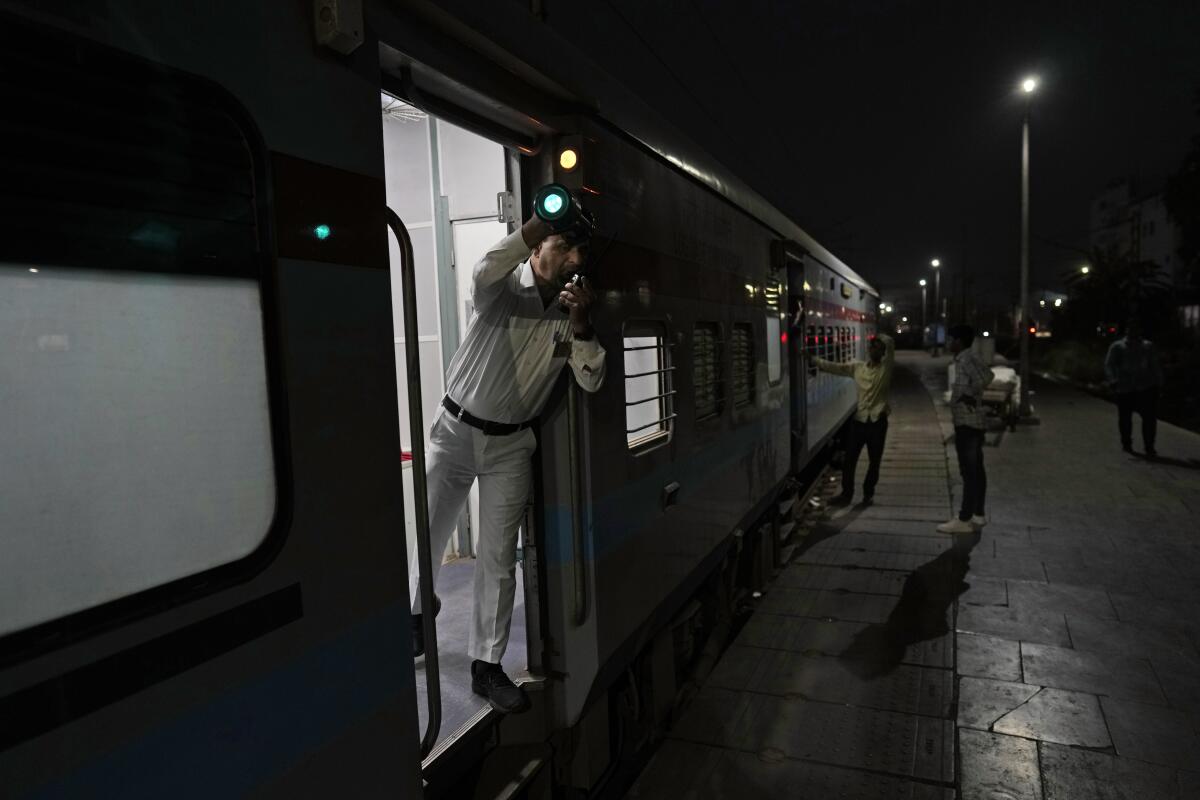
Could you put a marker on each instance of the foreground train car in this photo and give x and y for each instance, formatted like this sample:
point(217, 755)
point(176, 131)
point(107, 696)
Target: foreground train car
point(203, 583)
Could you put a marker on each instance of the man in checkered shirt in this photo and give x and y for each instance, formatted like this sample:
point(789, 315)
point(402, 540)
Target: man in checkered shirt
point(971, 377)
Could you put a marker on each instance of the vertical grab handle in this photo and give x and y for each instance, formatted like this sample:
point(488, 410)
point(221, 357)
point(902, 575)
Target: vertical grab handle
point(579, 570)
point(416, 422)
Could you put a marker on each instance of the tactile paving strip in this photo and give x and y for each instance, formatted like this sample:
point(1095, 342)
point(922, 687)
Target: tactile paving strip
point(849, 606)
point(864, 581)
point(842, 556)
point(690, 772)
point(870, 684)
point(881, 741)
point(931, 546)
point(835, 638)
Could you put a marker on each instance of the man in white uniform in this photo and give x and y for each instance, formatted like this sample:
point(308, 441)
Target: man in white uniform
point(498, 382)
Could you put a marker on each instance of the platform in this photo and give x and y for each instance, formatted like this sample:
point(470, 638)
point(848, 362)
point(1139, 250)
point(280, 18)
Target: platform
point(1054, 655)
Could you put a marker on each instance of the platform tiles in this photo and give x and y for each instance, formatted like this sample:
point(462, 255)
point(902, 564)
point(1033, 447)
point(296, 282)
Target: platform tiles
point(841, 684)
point(1077, 661)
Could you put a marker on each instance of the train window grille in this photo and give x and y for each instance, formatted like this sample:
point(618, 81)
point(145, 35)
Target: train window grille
point(708, 386)
point(132, 324)
point(649, 388)
point(772, 292)
point(741, 351)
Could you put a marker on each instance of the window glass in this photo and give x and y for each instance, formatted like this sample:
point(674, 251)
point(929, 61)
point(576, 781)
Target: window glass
point(707, 385)
point(774, 348)
point(648, 393)
point(741, 351)
point(136, 434)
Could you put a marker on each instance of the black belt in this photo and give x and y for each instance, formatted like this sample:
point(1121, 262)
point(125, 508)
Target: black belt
point(488, 427)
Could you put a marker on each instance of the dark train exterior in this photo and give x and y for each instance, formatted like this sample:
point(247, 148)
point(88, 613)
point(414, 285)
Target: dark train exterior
point(277, 662)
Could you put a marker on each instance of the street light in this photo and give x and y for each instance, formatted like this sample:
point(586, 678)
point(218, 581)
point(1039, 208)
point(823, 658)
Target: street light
point(1085, 269)
point(1028, 86)
point(1058, 302)
point(937, 302)
point(923, 304)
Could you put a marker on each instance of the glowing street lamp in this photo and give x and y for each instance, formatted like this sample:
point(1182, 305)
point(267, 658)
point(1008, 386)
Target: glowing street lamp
point(1027, 86)
point(937, 301)
point(922, 282)
point(1085, 269)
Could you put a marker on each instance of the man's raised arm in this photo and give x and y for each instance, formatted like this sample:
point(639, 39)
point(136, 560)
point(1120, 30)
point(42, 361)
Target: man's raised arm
point(503, 257)
point(835, 367)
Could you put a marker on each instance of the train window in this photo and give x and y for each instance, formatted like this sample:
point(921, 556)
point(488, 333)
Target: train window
point(774, 348)
point(741, 351)
point(139, 447)
point(708, 387)
point(649, 396)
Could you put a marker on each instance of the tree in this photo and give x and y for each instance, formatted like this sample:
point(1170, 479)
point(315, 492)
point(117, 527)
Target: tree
point(1182, 199)
point(1115, 288)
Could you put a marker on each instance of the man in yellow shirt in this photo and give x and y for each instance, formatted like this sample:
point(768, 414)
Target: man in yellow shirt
point(873, 379)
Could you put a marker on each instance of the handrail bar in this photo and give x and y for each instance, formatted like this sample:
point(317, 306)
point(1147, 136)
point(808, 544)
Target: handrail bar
point(416, 421)
point(575, 468)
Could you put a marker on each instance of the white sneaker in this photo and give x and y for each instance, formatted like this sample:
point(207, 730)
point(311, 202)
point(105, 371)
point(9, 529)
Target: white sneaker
point(979, 520)
point(956, 525)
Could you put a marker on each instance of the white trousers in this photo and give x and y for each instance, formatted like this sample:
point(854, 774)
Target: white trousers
point(458, 454)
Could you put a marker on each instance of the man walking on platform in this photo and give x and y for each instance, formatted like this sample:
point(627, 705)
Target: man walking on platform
point(971, 377)
point(873, 379)
point(1135, 375)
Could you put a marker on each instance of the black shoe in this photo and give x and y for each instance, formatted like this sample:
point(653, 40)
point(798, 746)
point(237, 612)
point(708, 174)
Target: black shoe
point(867, 499)
point(418, 630)
point(842, 499)
point(489, 680)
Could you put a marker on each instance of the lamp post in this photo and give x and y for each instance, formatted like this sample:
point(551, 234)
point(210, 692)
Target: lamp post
point(937, 304)
point(924, 303)
point(1027, 86)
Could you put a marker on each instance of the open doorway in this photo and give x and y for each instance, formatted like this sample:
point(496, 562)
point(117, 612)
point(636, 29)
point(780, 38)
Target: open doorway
point(444, 184)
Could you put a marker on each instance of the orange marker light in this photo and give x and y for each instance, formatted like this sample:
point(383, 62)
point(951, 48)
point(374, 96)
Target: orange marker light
point(568, 159)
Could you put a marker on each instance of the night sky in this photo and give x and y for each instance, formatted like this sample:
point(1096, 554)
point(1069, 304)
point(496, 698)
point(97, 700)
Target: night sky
point(891, 130)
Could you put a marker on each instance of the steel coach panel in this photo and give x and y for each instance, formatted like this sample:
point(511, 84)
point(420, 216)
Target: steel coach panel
point(294, 676)
point(679, 255)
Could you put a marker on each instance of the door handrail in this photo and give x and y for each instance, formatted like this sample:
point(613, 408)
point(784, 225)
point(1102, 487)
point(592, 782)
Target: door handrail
point(416, 421)
point(578, 559)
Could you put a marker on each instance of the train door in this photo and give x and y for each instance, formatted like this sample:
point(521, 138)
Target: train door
point(447, 186)
point(797, 367)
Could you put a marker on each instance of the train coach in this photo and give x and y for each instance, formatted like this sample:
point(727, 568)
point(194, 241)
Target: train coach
point(233, 271)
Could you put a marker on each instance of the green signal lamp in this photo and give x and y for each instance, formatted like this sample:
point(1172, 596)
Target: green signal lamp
point(553, 203)
point(322, 232)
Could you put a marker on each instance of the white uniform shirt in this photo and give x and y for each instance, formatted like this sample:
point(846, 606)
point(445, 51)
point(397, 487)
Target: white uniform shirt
point(507, 364)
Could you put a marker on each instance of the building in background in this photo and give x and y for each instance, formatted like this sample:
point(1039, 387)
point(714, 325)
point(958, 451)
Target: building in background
point(1139, 227)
